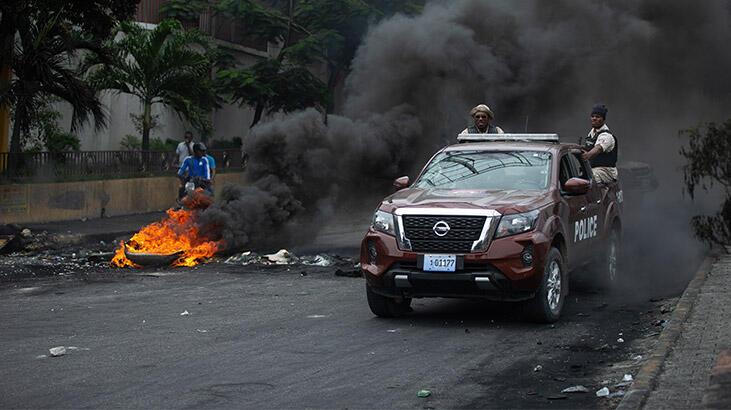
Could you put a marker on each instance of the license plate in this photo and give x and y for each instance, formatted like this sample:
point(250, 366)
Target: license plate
point(440, 263)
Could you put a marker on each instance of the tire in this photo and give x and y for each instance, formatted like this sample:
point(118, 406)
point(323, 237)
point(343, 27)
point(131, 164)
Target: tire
point(548, 303)
point(607, 266)
point(383, 306)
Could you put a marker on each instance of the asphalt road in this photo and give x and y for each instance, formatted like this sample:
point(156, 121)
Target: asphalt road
point(296, 337)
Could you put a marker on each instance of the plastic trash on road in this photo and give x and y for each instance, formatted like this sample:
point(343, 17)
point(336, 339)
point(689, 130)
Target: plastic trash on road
point(317, 260)
point(244, 258)
point(57, 351)
point(282, 257)
point(423, 393)
point(575, 389)
point(603, 392)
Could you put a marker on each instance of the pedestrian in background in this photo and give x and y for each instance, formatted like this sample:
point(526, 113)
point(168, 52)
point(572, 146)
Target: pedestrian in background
point(211, 162)
point(185, 148)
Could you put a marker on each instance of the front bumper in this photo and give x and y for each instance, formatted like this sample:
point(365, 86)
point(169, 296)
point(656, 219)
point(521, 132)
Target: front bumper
point(497, 274)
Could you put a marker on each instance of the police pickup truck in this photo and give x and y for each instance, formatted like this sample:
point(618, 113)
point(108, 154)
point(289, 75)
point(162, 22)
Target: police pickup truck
point(497, 216)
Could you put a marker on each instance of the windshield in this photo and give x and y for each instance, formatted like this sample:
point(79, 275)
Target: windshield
point(497, 170)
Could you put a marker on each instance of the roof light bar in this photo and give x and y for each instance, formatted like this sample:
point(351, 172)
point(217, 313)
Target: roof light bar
point(507, 137)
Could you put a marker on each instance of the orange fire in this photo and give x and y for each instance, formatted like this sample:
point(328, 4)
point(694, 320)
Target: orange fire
point(176, 233)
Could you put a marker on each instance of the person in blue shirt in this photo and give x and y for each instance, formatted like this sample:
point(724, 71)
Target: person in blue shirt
point(211, 163)
point(195, 166)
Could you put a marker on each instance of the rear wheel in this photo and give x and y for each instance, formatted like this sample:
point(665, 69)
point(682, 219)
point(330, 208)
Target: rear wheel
point(383, 306)
point(547, 305)
point(608, 265)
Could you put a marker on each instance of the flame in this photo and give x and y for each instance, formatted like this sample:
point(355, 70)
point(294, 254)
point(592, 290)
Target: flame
point(176, 232)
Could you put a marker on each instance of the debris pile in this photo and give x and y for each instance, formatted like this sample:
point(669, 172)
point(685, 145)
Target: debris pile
point(285, 257)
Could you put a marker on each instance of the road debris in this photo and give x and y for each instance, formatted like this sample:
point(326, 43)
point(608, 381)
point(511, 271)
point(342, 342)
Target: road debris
point(317, 260)
point(620, 340)
point(392, 330)
point(201, 330)
point(244, 258)
point(603, 392)
point(557, 397)
point(57, 351)
point(538, 368)
point(185, 313)
point(423, 393)
point(281, 257)
point(575, 389)
point(316, 316)
point(355, 273)
point(619, 393)
point(627, 378)
point(637, 358)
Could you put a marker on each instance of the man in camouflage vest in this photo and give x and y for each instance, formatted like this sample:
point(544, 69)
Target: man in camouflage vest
point(482, 116)
point(600, 147)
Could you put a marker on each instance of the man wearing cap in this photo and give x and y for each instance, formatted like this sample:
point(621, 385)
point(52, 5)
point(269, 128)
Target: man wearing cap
point(483, 116)
point(600, 147)
point(195, 166)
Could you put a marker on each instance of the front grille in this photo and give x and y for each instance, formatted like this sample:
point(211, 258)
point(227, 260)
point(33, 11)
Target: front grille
point(463, 231)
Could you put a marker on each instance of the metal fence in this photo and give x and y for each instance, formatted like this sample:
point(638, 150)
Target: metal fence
point(89, 165)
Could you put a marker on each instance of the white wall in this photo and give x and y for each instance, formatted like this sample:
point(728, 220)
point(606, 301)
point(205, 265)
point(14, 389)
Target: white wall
point(229, 121)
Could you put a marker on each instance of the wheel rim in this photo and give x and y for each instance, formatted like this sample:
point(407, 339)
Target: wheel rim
point(553, 296)
point(612, 260)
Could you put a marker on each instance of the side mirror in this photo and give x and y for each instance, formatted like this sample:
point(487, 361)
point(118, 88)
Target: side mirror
point(577, 186)
point(401, 183)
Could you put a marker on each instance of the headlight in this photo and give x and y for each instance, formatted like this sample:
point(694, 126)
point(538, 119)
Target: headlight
point(516, 223)
point(383, 222)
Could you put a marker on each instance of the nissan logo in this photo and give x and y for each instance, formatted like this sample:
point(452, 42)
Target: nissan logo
point(440, 228)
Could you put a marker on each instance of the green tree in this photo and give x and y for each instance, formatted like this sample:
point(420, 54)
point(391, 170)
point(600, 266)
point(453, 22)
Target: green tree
point(166, 65)
point(284, 82)
point(183, 10)
point(20, 21)
point(307, 32)
point(709, 163)
point(40, 63)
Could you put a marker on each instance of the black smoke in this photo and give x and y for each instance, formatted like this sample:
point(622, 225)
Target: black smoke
point(659, 65)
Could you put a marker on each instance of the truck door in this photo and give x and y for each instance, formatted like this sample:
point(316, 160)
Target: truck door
point(578, 247)
point(594, 226)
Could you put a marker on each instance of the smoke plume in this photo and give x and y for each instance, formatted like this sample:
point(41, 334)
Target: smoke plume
point(659, 66)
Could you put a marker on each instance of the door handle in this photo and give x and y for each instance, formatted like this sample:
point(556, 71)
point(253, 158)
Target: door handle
point(582, 209)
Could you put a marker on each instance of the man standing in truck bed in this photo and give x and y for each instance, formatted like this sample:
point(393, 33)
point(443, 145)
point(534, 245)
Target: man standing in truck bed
point(600, 147)
point(483, 116)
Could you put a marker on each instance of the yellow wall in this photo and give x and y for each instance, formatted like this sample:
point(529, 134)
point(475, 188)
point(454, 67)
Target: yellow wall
point(26, 203)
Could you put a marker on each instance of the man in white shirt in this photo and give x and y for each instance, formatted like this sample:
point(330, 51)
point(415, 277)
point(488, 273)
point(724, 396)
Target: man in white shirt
point(185, 148)
point(600, 147)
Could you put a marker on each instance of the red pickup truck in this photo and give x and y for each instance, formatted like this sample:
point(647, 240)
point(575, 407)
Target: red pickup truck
point(497, 216)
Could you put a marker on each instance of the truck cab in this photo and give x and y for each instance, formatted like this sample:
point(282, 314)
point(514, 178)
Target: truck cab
point(496, 216)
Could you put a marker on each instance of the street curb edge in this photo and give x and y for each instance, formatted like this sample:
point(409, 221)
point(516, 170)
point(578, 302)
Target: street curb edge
point(646, 379)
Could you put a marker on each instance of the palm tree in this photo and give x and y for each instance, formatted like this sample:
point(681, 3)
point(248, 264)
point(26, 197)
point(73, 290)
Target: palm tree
point(42, 67)
point(166, 65)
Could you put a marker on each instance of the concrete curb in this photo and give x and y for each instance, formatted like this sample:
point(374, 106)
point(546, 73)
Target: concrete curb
point(646, 380)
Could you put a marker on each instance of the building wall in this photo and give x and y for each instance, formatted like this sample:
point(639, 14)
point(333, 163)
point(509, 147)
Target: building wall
point(28, 203)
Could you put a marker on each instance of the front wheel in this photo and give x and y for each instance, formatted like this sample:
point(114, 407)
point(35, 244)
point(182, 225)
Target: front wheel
point(383, 306)
point(546, 306)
